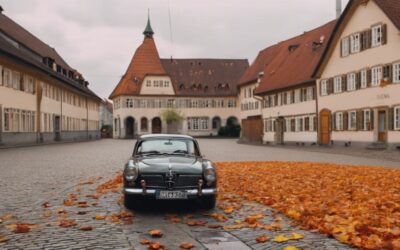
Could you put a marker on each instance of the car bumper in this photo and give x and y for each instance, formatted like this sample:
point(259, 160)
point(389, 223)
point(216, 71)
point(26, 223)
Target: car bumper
point(192, 193)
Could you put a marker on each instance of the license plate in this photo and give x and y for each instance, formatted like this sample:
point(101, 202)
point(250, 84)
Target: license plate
point(172, 195)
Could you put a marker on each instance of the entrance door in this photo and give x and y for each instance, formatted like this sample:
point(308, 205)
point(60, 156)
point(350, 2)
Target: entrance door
point(57, 126)
point(252, 129)
point(156, 125)
point(325, 136)
point(129, 127)
point(382, 132)
point(279, 131)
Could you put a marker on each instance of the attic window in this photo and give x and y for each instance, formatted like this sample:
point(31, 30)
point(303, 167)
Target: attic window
point(316, 45)
point(194, 87)
point(206, 88)
point(182, 86)
point(293, 47)
point(199, 63)
point(199, 86)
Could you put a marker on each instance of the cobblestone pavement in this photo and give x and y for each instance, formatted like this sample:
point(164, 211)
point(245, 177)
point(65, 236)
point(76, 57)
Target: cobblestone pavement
point(33, 175)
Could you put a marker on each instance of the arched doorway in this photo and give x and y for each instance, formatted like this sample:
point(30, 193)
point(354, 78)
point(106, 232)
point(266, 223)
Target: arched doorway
point(324, 127)
point(156, 125)
point(216, 123)
point(129, 127)
point(232, 121)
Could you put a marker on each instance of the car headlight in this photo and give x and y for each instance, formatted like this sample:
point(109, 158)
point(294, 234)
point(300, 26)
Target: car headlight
point(209, 175)
point(131, 171)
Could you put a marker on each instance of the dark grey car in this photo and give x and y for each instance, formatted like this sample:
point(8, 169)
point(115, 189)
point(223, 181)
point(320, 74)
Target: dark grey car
point(169, 167)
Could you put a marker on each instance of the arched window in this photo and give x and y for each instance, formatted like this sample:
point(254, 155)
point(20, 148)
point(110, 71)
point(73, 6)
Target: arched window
point(143, 124)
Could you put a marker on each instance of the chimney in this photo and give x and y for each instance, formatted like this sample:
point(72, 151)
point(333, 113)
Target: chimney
point(338, 8)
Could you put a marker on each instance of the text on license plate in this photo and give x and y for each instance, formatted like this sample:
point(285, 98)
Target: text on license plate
point(172, 195)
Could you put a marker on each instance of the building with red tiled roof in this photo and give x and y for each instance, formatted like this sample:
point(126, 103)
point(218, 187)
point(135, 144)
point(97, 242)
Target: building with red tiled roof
point(42, 99)
point(359, 77)
point(277, 92)
point(203, 91)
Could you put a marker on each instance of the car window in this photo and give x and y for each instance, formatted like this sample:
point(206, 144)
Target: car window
point(167, 146)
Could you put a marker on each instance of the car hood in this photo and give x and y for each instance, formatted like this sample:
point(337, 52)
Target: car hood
point(178, 164)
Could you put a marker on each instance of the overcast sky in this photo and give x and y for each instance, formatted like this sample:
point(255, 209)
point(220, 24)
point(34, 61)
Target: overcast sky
point(99, 37)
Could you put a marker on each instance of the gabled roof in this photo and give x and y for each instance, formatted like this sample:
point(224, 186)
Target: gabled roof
point(145, 61)
point(205, 77)
point(21, 35)
point(294, 60)
point(263, 58)
point(390, 7)
point(29, 45)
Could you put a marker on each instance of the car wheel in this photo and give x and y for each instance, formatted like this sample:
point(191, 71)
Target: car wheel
point(209, 202)
point(131, 202)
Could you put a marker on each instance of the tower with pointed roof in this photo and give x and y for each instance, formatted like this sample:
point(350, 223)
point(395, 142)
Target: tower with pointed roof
point(203, 90)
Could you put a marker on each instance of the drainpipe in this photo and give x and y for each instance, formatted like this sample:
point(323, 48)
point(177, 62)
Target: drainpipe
point(87, 119)
point(317, 112)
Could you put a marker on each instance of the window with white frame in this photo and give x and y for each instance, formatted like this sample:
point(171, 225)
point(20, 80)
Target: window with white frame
point(198, 123)
point(166, 83)
point(345, 46)
point(352, 122)
point(288, 124)
point(311, 123)
point(129, 103)
point(16, 80)
point(272, 98)
point(7, 77)
point(396, 73)
point(355, 43)
point(310, 93)
point(299, 124)
point(363, 79)
point(376, 75)
point(376, 35)
point(324, 87)
point(339, 121)
point(148, 83)
point(351, 82)
point(337, 84)
point(269, 125)
point(297, 95)
point(397, 117)
point(288, 97)
point(366, 119)
point(156, 84)
point(231, 103)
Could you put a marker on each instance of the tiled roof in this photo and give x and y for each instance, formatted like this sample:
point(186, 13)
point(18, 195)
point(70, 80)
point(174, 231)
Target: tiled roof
point(263, 58)
point(145, 61)
point(30, 41)
point(205, 77)
point(294, 60)
point(391, 9)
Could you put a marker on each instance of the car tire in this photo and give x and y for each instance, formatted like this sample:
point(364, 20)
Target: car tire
point(130, 201)
point(209, 202)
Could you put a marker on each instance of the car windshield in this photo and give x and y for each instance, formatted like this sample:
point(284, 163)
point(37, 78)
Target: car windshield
point(167, 146)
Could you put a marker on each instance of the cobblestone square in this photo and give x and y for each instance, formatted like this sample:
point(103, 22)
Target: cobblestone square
point(35, 176)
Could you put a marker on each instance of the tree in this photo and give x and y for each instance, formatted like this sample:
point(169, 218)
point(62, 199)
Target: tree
point(173, 118)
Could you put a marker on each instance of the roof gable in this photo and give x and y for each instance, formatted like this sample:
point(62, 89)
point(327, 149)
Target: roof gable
point(145, 61)
point(390, 7)
point(294, 60)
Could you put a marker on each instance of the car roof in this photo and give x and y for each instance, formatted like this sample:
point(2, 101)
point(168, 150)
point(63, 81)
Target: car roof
point(149, 136)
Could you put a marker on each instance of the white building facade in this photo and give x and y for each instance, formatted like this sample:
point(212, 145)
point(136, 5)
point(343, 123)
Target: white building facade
point(359, 86)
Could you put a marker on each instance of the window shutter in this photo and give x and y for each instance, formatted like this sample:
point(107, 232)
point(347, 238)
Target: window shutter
point(359, 120)
point(314, 93)
point(306, 124)
point(293, 124)
point(284, 98)
point(345, 120)
point(388, 73)
point(361, 125)
point(362, 43)
point(283, 122)
point(292, 97)
point(341, 48)
point(391, 119)
point(358, 80)
point(334, 122)
point(369, 39)
point(315, 121)
point(330, 86)
point(384, 34)
point(369, 77)
point(344, 83)
point(371, 123)
point(21, 82)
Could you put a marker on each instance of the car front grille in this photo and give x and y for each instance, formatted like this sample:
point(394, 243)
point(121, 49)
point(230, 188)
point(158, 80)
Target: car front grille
point(180, 181)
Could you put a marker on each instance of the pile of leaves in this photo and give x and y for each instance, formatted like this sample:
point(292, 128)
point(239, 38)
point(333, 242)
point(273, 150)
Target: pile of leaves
point(357, 205)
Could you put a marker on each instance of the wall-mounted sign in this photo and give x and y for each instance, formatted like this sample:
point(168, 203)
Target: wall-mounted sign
point(383, 96)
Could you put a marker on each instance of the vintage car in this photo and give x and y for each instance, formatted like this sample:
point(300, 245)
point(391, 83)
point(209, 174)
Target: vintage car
point(169, 167)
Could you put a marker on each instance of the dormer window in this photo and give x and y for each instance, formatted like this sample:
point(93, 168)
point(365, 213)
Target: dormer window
point(182, 86)
point(293, 47)
point(206, 88)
